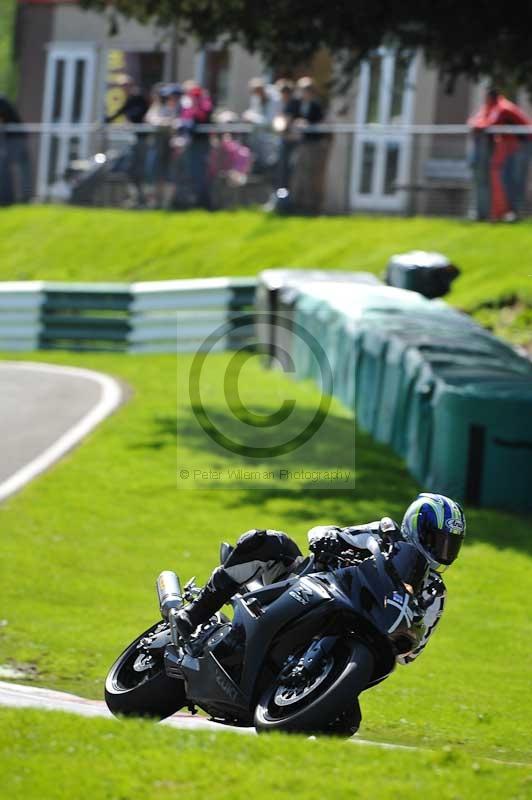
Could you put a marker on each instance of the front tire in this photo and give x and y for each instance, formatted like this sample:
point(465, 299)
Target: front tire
point(331, 707)
point(145, 693)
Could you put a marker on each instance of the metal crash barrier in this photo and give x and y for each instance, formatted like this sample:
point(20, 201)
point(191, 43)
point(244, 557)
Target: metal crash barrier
point(147, 317)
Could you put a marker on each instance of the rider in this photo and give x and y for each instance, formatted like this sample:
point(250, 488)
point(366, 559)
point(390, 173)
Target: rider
point(433, 523)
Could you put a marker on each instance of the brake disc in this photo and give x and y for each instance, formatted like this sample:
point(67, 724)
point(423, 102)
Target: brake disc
point(288, 695)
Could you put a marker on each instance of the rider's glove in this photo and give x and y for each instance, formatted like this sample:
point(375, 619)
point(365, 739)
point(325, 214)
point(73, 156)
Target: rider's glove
point(418, 628)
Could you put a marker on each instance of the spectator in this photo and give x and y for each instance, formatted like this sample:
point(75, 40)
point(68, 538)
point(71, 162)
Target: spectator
point(229, 163)
point(264, 107)
point(134, 109)
point(507, 155)
point(15, 167)
point(284, 124)
point(163, 114)
point(196, 109)
point(312, 153)
point(135, 106)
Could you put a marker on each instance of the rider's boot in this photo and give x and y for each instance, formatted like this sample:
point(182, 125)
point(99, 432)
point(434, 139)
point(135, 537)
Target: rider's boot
point(216, 592)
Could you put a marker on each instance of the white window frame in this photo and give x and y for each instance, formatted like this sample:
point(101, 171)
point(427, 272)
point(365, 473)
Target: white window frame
point(70, 52)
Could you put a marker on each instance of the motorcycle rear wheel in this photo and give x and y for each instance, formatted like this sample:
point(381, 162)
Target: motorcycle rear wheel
point(331, 707)
point(149, 693)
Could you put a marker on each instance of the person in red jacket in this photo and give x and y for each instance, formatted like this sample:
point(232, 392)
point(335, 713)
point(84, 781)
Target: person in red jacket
point(508, 154)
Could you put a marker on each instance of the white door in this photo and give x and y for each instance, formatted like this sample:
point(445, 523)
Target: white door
point(68, 90)
point(381, 161)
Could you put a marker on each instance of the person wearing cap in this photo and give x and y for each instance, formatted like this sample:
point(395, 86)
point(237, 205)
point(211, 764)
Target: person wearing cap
point(162, 114)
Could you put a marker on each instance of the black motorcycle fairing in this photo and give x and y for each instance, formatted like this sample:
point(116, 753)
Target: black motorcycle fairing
point(210, 679)
point(210, 687)
point(303, 609)
point(368, 601)
point(363, 619)
point(300, 598)
point(407, 565)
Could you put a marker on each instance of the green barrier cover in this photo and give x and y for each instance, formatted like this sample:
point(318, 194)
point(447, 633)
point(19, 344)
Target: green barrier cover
point(482, 440)
point(448, 396)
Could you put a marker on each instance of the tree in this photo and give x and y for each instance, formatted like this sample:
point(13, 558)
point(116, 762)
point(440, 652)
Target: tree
point(475, 38)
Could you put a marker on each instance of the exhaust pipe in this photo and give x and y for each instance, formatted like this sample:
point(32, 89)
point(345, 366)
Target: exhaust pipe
point(169, 592)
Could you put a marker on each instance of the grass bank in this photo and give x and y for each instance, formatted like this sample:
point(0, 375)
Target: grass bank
point(61, 243)
point(135, 759)
point(81, 547)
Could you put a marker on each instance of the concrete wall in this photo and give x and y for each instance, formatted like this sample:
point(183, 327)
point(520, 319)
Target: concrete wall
point(244, 66)
point(338, 178)
point(425, 99)
point(71, 24)
point(34, 26)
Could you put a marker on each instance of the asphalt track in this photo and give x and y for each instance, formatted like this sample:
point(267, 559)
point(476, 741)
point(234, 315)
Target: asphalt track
point(45, 410)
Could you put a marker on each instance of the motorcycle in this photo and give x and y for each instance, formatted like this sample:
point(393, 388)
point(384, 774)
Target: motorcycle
point(295, 656)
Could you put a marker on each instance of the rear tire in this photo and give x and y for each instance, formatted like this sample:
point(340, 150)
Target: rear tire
point(331, 708)
point(150, 693)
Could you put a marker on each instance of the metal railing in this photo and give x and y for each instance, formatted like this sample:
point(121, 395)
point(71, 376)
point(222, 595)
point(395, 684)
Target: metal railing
point(329, 168)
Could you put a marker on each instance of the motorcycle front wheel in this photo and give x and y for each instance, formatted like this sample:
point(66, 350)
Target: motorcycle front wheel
point(326, 702)
point(137, 684)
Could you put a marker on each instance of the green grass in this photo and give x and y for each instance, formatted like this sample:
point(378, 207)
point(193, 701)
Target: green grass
point(82, 545)
point(134, 759)
point(91, 244)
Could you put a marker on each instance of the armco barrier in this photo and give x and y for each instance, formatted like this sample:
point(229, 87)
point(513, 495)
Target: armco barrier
point(449, 397)
point(148, 317)
point(85, 316)
point(169, 315)
point(20, 315)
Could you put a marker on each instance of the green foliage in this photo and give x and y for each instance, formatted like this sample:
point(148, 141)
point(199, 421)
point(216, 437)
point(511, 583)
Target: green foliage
point(135, 759)
point(471, 38)
point(511, 320)
point(81, 548)
point(7, 19)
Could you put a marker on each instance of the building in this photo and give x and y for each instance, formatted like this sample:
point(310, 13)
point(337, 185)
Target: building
point(68, 62)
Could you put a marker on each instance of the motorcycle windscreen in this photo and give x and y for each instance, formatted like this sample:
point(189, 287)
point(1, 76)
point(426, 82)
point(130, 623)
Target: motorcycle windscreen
point(409, 563)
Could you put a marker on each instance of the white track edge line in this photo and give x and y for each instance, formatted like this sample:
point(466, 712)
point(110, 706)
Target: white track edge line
point(110, 399)
point(24, 696)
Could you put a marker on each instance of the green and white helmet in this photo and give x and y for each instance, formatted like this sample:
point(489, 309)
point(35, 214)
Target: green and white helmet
point(436, 525)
